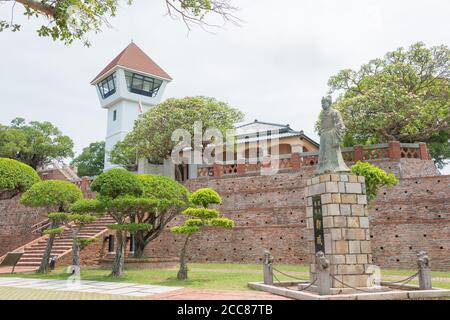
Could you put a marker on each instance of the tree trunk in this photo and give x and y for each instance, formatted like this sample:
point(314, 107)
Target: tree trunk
point(43, 268)
point(139, 244)
point(75, 250)
point(183, 272)
point(119, 259)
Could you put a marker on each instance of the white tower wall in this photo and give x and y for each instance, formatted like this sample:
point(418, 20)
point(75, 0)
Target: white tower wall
point(126, 106)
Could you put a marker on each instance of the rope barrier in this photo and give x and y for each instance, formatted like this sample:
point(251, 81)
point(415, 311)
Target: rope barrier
point(290, 276)
point(403, 281)
point(287, 275)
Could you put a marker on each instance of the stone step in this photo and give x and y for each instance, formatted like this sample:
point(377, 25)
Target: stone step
point(35, 250)
point(28, 264)
point(30, 259)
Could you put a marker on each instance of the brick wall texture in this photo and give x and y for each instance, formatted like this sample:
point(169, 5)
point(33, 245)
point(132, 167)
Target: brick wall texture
point(269, 212)
point(15, 224)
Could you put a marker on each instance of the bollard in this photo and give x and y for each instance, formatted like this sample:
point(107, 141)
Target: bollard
point(268, 268)
point(423, 263)
point(323, 274)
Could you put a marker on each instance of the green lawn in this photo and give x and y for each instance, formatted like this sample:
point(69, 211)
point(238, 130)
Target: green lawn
point(213, 276)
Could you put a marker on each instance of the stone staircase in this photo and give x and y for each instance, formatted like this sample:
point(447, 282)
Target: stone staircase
point(62, 246)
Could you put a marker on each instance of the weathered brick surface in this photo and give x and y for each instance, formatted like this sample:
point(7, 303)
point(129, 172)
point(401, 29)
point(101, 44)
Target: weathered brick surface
point(270, 213)
point(15, 224)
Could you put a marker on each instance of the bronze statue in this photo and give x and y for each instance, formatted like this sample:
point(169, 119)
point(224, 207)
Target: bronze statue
point(331, 131)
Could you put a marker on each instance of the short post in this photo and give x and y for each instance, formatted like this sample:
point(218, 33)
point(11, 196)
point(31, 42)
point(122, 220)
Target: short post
point(268, 268)
point(323, 274)
point(423, 263)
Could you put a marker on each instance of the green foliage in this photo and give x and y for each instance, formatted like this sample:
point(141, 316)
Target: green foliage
point(70, 20)
point(52, 193)
point(222, 222)
point(117, 182)
point(91, 160)
point(131, 227)
point(125, 155)
point(36, 143)
point(131, 205)
point(403, 97)
point(16, 176)
point(58, 216)
point(152, 134)
point(203, 217)
point(84, 242)
point(204, 197)
point(54, 230)
point(169, 192)
point(88, 206)
point(185, 229)
point(81, 219)
point(202, 213)
point(375, 178)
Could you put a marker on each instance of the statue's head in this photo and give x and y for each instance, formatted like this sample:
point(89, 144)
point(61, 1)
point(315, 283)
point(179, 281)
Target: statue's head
point(326, 102)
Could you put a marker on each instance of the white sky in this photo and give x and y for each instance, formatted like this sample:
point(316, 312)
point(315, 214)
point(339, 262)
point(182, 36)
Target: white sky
point(275, 67)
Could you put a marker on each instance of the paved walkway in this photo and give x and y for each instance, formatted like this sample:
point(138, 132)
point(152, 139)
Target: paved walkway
point(111, 288)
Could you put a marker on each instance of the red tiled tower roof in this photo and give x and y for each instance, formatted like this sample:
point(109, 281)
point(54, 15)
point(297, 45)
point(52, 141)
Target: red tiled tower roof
point(132, 57)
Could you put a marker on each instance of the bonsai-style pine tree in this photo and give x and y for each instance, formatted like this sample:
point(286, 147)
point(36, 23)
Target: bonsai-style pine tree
point(173, 198)
point(119, 194)
point(54, 195)
point(82, 213)
point(199, 217)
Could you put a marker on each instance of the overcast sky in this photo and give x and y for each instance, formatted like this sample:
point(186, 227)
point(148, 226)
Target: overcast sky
point(275, 67)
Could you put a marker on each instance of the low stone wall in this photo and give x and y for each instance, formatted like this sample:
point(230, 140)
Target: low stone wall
point(15, 224)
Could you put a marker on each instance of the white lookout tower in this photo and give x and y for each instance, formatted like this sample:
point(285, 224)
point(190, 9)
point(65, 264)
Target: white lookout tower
point(128, 86)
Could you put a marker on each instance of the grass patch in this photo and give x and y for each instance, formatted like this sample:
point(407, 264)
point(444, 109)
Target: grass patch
point(209, 276)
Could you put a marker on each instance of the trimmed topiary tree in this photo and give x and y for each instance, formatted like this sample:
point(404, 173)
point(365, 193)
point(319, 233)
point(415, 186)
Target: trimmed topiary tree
point(119, 194)
point(375, 177)
point(16, 177)
point(172, 198)
point(198, 218)
point(52, 195)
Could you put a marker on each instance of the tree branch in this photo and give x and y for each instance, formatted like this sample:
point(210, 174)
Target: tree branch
point(39, 6)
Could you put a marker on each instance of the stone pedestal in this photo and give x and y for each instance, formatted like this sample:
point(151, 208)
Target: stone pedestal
point(338, 225)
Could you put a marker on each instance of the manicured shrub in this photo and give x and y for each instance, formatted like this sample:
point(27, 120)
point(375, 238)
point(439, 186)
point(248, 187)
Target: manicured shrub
point(16, 176)
point(164, 188)
point(117, 182)
point(52, 194)
point(375, 177)
point(204, 197)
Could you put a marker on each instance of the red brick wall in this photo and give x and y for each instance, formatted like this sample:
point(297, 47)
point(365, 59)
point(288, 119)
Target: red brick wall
point(15, 224)
point(269, 212)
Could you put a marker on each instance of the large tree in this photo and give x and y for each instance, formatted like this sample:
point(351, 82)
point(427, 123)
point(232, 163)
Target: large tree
point(403, 96)
point(90, 162)
point(69, 20)
point(152, 133)
point(35, 143)
point(119, 194)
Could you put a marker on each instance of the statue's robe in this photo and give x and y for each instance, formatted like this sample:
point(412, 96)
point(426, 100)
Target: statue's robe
point(332, 129)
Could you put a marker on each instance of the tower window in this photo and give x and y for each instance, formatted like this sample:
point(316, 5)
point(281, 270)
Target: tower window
point(114, 115)
point(108, 86)
point(143, 85)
